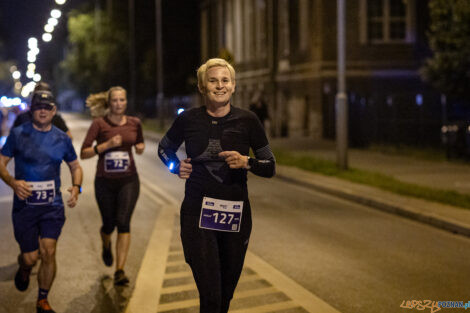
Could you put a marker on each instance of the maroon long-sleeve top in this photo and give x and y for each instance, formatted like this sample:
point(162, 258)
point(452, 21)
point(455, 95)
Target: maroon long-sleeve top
point(101, 130)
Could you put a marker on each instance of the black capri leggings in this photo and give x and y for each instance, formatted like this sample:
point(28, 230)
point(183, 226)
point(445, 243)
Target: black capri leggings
point(116, 199)
point(216, 260)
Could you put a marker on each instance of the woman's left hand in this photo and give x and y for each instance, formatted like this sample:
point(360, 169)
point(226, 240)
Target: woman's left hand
point(234, 159)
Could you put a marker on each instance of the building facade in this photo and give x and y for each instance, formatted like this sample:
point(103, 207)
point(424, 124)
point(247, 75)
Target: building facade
point(286, 50)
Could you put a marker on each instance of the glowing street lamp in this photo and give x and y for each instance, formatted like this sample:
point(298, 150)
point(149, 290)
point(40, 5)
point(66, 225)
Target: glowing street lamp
point(49, 28)
point(16, 75)
point(53, 21)
point(32, 42)
point(56, 13)
point(37, 77)
point(60, 2)
point(31, 58)
point(46, 37)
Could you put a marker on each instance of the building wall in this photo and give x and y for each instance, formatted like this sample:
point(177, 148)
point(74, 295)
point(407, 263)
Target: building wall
point(287, 50)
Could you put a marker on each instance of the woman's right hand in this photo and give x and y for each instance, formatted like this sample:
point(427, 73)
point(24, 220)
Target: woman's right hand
point(185, 168)
point(114, 142)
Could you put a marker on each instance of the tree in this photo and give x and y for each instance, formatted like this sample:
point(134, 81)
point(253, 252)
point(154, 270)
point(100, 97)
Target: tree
point(448, 70)
point(98, 52)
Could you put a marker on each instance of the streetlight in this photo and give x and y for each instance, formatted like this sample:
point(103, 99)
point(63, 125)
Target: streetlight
point(49, 28)
point(37, 77)
point(32, 42)
point(56, 13)
point(16, 75)
point(53, 21)
point(31, 57)
point(46, 37)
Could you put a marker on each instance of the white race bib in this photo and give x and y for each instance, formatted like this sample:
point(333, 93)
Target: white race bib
point(43, 192)
point(221, 215)
point(116, 161)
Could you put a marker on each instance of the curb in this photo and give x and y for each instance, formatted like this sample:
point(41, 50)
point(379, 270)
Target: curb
point(414, 214)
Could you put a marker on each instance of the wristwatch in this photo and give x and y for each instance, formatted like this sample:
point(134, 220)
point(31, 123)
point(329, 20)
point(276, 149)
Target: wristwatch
point(79, 187)
point(251, 161)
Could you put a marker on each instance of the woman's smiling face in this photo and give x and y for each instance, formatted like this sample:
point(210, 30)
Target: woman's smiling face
point(219, 85)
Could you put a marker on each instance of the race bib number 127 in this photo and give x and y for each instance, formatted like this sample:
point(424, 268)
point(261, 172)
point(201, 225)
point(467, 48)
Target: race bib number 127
point(221, 215)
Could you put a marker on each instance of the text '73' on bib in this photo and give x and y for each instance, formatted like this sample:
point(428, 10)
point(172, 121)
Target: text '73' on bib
point(221, 215)
point(116, 161)
point(43, 192)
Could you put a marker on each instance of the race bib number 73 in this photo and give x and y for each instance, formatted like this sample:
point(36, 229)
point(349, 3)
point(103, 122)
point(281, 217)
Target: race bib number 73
point(43, 192)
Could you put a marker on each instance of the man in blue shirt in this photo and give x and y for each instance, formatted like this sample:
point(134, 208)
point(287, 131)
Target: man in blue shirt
point(39, 148)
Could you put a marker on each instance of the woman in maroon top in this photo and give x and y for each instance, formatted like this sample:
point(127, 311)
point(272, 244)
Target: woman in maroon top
point(116, 181)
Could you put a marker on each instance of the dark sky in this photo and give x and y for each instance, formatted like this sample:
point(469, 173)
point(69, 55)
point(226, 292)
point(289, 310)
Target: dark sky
point(21, 19)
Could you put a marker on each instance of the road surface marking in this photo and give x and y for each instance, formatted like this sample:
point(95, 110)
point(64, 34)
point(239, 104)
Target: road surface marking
point(165, 284)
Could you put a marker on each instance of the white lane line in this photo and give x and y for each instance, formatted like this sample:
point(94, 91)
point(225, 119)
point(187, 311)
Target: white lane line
point(192, 286)
point(195, 302)
point(149, 281)
point(268, 307)
point(299, 295)
point(293, 290)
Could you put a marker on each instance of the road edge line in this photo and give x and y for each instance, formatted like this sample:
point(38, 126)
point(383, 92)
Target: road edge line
point(288, 286)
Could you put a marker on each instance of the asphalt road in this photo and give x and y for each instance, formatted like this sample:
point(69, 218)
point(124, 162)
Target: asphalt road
point(354, 258)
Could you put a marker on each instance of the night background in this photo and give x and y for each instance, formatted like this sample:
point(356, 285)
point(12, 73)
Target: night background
point(368, 213)
point(21, 20)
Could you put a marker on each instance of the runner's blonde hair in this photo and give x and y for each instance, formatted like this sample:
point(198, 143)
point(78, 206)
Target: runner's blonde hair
point(98, 104)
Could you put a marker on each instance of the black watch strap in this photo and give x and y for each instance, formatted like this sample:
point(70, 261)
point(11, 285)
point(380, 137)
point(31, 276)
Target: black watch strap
point(79, 187)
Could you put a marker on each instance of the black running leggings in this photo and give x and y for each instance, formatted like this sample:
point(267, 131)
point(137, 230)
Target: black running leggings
point(216, 260)
point(116, 200)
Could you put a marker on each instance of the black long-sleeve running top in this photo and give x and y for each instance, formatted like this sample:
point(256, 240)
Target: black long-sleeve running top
point(205, 137)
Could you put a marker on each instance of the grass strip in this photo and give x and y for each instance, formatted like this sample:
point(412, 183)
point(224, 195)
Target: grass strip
point(384, 182)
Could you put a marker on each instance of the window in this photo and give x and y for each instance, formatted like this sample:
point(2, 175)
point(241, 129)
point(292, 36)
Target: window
point(387, 21)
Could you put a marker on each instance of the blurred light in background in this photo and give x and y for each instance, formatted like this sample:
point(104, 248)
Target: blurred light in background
point(56, 13)
point(16, 75)
point(30, 74)
point(9, 102)
point(52, 21)
point(180, 110)
point(419, 99)
point(37, 77)
point(49, 28)
point(60, 2)
point(32, 42)
point(27, 89)
point(46, 37)
point(31, 67)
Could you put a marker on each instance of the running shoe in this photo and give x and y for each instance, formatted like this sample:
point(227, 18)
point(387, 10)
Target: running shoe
point(22, 275)
point(107, 255)
point(43, 306)
point(120, 278)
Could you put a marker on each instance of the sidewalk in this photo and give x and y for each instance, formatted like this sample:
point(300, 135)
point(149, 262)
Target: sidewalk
point(441, 175)
point(435, 174)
